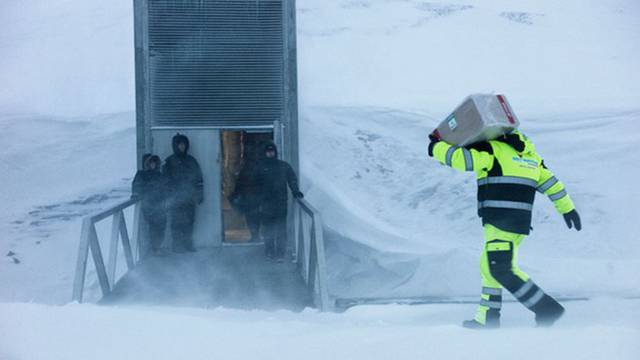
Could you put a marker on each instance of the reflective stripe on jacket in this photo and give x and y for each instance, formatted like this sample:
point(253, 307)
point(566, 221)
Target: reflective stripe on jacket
point(507, 180)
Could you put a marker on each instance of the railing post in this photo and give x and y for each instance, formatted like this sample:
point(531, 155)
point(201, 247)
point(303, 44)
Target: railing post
point(81, 264)
point(137, 232)
point(321, 263)
point(126, 244)
point(296, 230)
point(98, 261)
point(89, 242)
point(300, 240)
point(113, 246)
point(313, 259)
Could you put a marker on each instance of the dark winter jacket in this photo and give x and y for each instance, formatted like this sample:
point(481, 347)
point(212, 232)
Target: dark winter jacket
point(271, 179)
point(150, 186)
point(184, 175)
point(246, 193)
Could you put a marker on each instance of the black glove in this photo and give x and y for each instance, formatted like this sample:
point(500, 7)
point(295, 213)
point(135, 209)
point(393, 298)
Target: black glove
point(298, 194)
point(572, 217)
point(433, 140)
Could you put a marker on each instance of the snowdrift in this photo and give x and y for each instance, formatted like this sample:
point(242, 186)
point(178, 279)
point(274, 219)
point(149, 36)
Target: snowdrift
point(419, 218)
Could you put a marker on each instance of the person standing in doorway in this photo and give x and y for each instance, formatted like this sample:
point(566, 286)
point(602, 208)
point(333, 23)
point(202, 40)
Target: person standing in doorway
point(272, 177)
point(245, 195)
point(186, 189)
point(150, 187)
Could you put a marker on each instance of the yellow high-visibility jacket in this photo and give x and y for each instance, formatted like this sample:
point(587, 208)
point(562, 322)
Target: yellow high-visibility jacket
point(509, 171)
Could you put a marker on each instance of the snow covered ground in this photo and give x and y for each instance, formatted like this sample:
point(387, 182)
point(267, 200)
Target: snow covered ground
point(375, 77)
point(603, 329)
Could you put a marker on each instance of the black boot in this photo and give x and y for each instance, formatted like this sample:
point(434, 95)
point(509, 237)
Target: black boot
point(547, 311)
point(492, 321)
point(473, 324)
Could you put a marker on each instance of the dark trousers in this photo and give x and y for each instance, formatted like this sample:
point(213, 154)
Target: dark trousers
point(274, 229)
point(253, 223)
point(182, 218)
point(157, 224)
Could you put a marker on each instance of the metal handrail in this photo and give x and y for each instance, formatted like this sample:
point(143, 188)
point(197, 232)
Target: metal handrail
point(89, 242)
point(309, 252)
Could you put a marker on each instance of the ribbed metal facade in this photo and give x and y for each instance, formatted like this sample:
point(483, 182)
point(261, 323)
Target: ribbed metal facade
point(215, 62)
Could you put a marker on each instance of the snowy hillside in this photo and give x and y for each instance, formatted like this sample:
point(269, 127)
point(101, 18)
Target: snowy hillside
point(68, 59)
point(407, 204)
point(54, 172)
point(547, 56)
point(375, 77)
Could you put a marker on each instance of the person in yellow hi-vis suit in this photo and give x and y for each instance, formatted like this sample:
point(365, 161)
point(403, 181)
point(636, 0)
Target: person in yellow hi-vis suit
point(509, 171)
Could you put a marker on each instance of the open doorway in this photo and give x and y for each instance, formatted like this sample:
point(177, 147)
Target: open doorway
point(240, 216)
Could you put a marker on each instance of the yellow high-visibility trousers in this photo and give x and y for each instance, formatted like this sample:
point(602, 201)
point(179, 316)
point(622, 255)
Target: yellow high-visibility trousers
point(500, 249)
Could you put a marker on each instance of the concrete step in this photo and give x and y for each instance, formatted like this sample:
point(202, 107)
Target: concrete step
point(239, 277)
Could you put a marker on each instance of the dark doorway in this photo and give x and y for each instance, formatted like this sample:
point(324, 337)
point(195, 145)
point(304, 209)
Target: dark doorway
point(240, 216)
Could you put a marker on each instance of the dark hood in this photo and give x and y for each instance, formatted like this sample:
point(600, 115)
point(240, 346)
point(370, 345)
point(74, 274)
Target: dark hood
point(152, 159)
point(179, 138)
point(266, 146)
point(518, 141)
point(145, 158)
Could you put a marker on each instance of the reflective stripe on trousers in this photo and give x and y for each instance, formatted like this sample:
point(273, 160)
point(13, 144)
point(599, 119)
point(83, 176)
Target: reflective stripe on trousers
point(492, 291)
point(533, 300)
point(524, 289)
point(491, 304)
point(536, 294)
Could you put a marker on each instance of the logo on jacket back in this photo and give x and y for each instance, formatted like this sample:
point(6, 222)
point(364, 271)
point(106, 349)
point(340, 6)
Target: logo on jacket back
point(525, 162)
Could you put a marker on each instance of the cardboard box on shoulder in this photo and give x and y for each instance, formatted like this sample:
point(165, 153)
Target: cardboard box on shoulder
point(480, 117)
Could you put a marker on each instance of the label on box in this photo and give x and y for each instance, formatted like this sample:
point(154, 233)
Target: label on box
point(453, 124)
point(506, 109)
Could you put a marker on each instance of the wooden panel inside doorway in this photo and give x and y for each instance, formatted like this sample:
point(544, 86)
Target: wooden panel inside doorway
point(239, 155)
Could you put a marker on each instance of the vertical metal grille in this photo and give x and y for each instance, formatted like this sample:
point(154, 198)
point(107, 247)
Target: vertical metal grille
point(215, 62)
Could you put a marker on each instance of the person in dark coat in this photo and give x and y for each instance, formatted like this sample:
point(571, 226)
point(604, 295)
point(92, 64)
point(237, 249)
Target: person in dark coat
point(245, 196)
point(150, 187)
point(272, 177)
point(186, 190)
